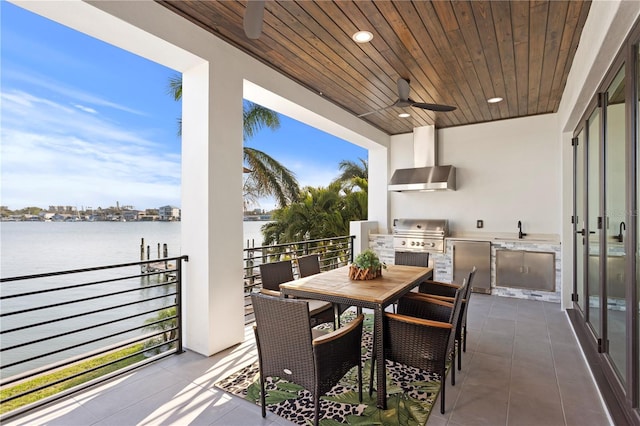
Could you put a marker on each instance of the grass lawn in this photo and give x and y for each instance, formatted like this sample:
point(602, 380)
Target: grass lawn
point(60, 374)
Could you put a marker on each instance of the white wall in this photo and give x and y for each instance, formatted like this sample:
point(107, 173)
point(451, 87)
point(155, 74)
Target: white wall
point(605, 29)
point(505, 170)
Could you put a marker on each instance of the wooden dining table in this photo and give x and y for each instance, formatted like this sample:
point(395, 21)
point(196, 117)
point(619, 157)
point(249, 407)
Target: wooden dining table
point(336, 287)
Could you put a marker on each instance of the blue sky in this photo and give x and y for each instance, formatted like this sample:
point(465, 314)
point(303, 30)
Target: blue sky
point(86, 124)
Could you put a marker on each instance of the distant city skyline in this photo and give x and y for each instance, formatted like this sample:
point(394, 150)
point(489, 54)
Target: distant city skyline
point(89, 123)
point(61, 207)
point(70, 208)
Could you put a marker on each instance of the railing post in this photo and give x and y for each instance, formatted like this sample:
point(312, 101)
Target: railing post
point(252, 272)
point(179, 301)
point(143, 268)
point(351, 239)
point(165, 254)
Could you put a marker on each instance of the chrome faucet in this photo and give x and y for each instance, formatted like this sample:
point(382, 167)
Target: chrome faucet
point(520, 234)
point(619, 237)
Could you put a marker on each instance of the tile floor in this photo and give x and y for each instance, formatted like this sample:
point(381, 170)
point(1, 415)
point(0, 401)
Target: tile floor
point(522, 367)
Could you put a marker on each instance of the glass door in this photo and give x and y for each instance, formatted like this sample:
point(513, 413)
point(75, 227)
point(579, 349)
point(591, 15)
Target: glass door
point(635, 249)
point(579, 220)
point(591, 233)
point(614, 232)
point(606, 243)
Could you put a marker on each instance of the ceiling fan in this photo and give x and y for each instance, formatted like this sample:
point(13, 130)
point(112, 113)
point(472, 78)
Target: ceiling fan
point(253, 17)
point(404, 101)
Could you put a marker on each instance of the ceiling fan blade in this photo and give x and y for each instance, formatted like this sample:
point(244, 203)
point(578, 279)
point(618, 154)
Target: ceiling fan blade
point(403, 89)
point(434, 107)
point(377, 110)
point(404, 101)
point(253, 17)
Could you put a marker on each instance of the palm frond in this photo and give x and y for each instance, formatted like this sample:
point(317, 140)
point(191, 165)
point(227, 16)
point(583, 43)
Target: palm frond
point(256, 117)
point(269, 177)
point(174, 88)
point(350, 171)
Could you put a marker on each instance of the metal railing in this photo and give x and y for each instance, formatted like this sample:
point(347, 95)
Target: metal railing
point(334, 252)
point(70, 329)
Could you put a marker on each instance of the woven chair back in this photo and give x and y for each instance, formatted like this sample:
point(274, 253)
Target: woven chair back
point(309, 265)
point(283, 338)
point(422, 347)
point(275, 273)
point(467, 295)
point(456, 314)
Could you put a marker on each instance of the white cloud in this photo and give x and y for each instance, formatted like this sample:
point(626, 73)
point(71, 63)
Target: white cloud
point(53, 154)
point(53, 86)
point(86, 109)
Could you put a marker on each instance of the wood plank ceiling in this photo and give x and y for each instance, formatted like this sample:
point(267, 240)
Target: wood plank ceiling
point(458, 53)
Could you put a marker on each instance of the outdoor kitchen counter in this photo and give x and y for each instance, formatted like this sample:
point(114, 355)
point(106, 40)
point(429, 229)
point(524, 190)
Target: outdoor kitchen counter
point(442, 263)
point(539, 246)
point(506, 237)
point(385, 240)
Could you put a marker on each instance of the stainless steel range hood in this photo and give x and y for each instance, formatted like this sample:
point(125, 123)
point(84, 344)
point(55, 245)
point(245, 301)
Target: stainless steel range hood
point(434, 178)
point(426, 175)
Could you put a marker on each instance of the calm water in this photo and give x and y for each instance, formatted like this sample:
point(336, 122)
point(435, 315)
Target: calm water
point(38, 247)
point(35, 247)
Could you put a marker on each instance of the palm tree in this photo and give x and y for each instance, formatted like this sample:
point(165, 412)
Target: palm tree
point(319, 213)
point(167, 326)
point(353, 173)
point(265, 176)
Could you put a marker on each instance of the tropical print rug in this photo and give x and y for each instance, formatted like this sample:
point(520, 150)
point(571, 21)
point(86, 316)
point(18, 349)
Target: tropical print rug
point(410, 393)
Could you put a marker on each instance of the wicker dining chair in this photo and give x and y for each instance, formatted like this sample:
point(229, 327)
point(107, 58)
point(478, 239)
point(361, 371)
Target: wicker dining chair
point(308, 265)
point(410, 259)
point(446, 291)
point(275, 273)
point(287, 350)
point(422, 343)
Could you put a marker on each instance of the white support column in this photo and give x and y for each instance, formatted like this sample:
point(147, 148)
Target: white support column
point(378, 204)
point(212, 207)
point(361, 230)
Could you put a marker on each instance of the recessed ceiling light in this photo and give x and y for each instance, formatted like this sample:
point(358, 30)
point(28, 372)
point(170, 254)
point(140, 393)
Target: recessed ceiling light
point(494, 100)
point(362, 37)
point(404, 115)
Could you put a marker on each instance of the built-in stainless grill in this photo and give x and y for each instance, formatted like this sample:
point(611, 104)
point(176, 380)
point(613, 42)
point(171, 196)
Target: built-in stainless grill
point(420, 235)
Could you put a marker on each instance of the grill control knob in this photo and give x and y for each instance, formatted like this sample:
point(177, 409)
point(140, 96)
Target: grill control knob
point(404, 243)
point(432, 244)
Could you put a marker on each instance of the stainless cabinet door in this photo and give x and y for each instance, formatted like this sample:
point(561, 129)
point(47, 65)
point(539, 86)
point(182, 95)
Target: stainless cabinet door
point(509, 268)
point(466, 255)
point(539, 271)
point(525, 269)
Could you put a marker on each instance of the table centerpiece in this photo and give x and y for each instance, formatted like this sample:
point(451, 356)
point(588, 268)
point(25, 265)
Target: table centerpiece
point(366, 266)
